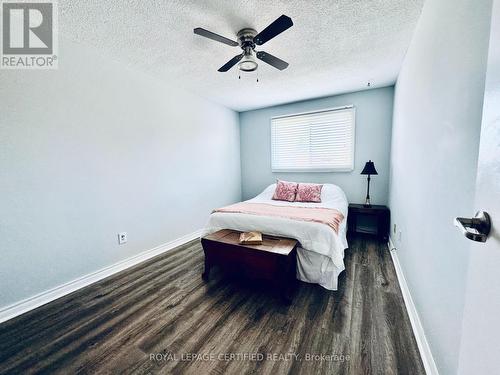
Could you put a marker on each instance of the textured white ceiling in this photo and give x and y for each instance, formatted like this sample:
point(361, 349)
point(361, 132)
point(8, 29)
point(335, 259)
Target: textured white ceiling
point(334, 46)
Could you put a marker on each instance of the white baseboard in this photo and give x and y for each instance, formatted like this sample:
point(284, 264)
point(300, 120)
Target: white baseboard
point(416, 324)
point(40, 299)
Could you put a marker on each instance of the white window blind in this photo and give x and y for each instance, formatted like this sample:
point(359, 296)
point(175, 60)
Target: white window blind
point(314, 141)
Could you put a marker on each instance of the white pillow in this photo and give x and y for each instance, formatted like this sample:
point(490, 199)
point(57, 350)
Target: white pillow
point(268, 192)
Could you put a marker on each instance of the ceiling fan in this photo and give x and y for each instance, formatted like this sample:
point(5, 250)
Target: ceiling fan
point(248, 39)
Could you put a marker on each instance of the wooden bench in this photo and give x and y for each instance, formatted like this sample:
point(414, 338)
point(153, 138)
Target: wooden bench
point(274, 260)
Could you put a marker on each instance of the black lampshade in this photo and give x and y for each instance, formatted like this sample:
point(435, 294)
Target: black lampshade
point(369, 168)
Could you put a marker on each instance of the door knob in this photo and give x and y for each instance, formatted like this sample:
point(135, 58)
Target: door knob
point(476, 228)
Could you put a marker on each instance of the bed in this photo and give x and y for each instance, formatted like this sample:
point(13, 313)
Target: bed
point(320, 257)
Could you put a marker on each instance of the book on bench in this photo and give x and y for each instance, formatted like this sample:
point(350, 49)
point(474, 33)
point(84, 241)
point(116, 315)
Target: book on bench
point(251, 238)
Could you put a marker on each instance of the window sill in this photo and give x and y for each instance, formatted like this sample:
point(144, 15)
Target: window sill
point(313, 170)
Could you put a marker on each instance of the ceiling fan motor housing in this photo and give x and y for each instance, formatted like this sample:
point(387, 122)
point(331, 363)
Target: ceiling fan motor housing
point(245, 38)
point(247, 44)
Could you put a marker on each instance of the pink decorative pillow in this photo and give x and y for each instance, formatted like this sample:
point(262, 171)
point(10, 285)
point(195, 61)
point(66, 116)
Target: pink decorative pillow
point(309, 193)
point(285, 191)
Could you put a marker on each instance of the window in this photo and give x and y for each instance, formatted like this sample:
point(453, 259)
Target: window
point(313, 141)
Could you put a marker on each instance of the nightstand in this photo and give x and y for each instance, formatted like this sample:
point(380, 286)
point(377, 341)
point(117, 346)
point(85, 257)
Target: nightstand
point(377, 217)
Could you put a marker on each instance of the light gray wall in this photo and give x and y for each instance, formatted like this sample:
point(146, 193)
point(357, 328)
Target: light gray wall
point(373, 139)
point(93, 149)
point(435, 139)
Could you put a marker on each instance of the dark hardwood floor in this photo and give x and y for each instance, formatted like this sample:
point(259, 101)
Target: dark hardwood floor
point(159, 315)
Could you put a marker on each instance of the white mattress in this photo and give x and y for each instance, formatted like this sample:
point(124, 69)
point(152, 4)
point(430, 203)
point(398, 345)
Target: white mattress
point(320, 258)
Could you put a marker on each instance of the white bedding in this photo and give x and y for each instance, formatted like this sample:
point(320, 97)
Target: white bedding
point(320, 257)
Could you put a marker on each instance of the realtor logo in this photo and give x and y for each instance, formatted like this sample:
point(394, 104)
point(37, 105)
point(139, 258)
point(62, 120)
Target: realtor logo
point(29, 35)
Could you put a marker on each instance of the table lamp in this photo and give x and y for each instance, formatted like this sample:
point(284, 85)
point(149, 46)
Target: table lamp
point(369, 169)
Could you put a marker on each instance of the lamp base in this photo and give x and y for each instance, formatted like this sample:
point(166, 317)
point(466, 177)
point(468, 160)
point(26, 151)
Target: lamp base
point(367, 203)
point(367, 200)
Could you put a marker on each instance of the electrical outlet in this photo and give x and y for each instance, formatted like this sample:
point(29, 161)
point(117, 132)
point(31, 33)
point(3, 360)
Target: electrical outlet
point(394, 227)
point(399, 236)
point(122, 238)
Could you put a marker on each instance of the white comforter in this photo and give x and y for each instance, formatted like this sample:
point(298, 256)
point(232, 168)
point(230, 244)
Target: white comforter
point(321, 255)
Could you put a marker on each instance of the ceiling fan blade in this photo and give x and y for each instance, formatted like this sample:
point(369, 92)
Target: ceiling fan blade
point(214, 36)
point(230, 63)
point(272, 60)
point(277, 27)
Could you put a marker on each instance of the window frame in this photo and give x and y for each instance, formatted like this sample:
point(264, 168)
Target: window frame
point(314, 170)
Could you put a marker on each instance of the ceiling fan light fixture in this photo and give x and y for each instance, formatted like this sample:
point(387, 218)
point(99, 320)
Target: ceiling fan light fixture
point(248, 64)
